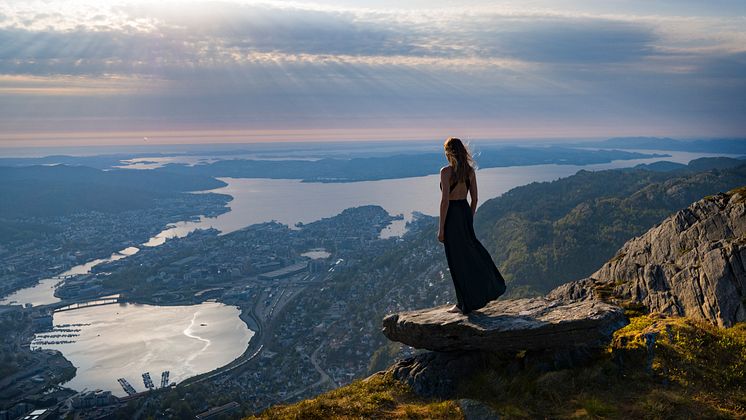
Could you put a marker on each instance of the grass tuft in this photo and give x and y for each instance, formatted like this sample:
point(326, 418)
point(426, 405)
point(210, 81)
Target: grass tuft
point(379, 396)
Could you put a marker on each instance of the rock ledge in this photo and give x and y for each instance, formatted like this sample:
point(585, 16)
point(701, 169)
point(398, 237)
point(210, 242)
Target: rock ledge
point(508, 325)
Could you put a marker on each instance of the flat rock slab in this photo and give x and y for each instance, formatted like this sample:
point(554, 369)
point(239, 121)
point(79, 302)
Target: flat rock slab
point(508, 325)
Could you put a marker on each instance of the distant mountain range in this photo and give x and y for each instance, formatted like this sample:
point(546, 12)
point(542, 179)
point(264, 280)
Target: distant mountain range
point(398, 165)
point(60, 189)
point(730, 146)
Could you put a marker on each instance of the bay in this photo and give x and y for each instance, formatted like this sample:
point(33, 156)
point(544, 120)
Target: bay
point(289, 201)
point(43, 292)
point(123, 341)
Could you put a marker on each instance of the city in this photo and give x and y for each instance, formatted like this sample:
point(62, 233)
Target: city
point(280, 277)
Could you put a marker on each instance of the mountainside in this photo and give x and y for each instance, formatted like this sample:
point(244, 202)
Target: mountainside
point(691, 264)
point(659, 366)
point(545, 234)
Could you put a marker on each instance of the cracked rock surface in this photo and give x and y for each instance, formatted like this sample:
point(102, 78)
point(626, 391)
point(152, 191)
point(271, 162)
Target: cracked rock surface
point(508, 325)
point(691, 264)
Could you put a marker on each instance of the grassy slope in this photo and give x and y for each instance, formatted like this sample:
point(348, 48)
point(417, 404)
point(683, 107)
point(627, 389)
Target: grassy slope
point(379, 396)
point(696, 371)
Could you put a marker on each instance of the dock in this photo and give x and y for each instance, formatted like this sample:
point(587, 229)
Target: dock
point(90, 303)
point(126, 386)
point(147, 381)
point(164, 378)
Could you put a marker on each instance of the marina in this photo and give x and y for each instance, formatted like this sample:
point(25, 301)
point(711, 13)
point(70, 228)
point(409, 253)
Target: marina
point(119, 341)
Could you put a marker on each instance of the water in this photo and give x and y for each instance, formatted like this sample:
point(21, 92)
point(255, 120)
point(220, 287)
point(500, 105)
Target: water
point(122, 341)
point(291, 201)
point(144, 163)
point(43, 292)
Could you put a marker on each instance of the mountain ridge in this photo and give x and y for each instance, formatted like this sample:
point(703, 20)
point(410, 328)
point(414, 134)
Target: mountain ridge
point(693, 264)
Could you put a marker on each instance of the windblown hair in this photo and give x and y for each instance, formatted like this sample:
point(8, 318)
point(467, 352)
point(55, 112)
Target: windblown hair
point(459, 158)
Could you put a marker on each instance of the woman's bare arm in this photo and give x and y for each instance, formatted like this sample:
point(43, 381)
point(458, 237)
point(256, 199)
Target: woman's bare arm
point(445, 179)
point(473, 193)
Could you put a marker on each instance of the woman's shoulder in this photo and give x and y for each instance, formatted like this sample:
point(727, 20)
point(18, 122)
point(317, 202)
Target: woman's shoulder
point(446, 169)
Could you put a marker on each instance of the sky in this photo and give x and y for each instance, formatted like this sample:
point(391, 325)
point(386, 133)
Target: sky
point(127, 72)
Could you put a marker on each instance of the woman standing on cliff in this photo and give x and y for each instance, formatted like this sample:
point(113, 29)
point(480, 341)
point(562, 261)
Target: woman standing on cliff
point(475, 276)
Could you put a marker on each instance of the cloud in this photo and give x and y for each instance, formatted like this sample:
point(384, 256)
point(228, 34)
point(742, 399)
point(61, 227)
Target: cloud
point(576, 41)
point(151, 39)
point(290, 65)
point(731, 67)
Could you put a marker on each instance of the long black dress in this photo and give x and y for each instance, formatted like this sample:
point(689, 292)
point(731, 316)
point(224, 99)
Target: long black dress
point(475, 276)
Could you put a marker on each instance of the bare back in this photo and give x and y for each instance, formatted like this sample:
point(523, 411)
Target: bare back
point(460, 190)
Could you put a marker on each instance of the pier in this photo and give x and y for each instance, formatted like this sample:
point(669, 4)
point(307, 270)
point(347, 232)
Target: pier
point(147, 381)
point(90, 303)
point(164, 378)
point(126, 386)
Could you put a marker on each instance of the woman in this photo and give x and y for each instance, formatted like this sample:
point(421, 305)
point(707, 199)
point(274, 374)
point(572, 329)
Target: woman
point(475, 276)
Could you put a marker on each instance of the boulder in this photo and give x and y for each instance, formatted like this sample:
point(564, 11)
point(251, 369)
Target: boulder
point(508, 325)
point(691, 264)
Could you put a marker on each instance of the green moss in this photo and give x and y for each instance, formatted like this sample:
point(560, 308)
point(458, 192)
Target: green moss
point(695, 370)
point(597, 408)
point(633, 309)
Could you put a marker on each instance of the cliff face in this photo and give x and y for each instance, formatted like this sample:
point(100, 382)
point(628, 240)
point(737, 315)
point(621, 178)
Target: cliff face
point(691, 264)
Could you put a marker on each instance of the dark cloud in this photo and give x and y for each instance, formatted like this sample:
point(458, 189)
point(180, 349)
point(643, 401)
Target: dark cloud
point(572, 41)
point(194, 35)
point(730, 67)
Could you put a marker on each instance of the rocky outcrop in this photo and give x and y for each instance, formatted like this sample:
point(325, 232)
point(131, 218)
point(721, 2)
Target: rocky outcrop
point(550, 334)
point(691, 264)
point(508, 325)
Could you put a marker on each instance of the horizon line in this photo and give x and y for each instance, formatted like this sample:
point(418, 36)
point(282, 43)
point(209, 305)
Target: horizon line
point(147, 138)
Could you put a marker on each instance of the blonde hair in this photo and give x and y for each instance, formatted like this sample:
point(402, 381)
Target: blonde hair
point(459, 158)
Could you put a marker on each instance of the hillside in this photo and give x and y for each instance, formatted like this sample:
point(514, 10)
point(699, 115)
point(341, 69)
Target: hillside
point(694, 370)
point(691, 264)
point(658, 366)
point(59, 190)
point(545, 234)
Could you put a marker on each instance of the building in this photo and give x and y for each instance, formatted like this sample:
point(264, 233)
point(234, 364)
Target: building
point(97, 398)
point(223, 409)
point(285, 271)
